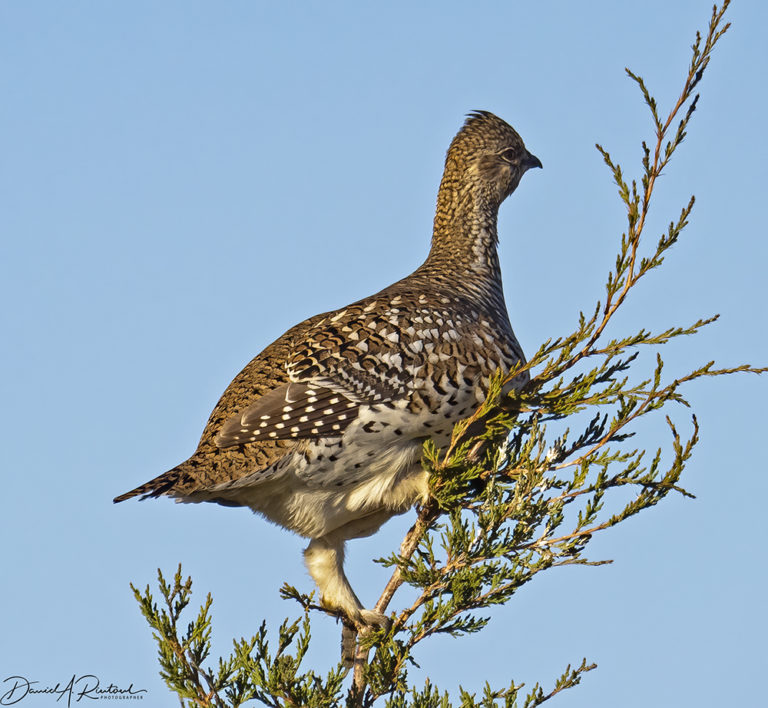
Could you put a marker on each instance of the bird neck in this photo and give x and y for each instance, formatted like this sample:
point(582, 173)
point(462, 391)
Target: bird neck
point(464, 240)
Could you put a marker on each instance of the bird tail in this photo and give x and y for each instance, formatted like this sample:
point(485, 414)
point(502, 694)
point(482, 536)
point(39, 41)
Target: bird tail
point(156, 487)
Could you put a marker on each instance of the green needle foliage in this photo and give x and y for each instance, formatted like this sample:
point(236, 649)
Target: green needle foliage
point(509, 498)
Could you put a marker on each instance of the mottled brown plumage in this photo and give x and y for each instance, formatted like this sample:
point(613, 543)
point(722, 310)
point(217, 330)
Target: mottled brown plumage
point(322, 431)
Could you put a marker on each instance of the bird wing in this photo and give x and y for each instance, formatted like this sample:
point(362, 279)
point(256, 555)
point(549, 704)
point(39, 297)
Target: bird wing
point(290, 411)
point(329, 379)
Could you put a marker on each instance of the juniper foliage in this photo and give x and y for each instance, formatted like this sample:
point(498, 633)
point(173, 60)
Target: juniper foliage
point(509, 499)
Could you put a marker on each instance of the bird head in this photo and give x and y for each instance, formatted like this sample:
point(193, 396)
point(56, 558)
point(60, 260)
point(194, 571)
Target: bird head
point(488, 154)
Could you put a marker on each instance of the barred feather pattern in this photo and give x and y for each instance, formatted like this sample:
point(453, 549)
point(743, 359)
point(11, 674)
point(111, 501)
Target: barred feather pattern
point(322, 431)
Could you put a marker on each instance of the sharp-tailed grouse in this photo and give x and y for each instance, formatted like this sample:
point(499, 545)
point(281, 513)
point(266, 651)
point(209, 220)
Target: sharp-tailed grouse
point(322, 432)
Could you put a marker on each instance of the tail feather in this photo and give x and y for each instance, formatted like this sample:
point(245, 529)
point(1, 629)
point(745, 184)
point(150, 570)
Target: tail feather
point(194, 479)
point(154, 488)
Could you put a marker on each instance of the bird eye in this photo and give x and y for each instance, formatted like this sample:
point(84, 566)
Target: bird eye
point(509, 155)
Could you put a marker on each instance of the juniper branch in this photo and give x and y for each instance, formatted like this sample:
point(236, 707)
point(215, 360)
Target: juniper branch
point(508, 500)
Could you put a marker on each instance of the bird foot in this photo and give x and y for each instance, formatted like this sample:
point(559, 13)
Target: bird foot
point(371, 618)
point(365, 622)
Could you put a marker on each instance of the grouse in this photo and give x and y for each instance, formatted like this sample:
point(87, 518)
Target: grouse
point(322, 432)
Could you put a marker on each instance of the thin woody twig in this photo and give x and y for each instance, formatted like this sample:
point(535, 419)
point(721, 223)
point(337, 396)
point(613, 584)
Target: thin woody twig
point(427, 515)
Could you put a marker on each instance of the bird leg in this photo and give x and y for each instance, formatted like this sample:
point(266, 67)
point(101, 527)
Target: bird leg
point(324, 558)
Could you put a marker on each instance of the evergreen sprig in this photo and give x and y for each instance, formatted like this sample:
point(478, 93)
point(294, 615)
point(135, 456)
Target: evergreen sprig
point(508, 498)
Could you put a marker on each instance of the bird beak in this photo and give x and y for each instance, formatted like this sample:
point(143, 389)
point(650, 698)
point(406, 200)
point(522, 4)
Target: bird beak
point(531, 161)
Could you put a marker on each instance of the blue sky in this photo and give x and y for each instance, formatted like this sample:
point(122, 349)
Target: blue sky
point(182, 181)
